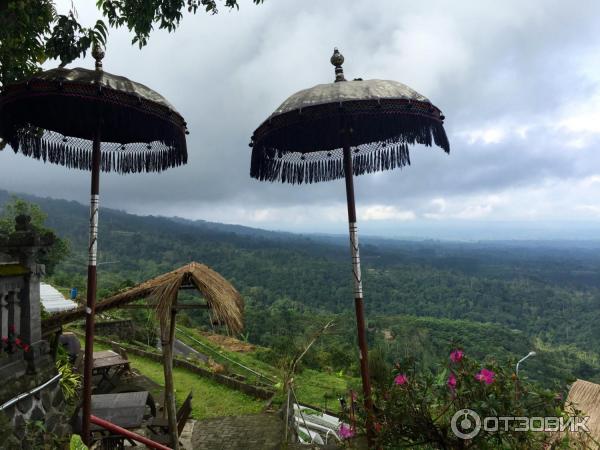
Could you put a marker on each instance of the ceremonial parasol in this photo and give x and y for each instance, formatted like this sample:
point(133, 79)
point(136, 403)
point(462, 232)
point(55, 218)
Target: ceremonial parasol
point(96, 121)
point(342, 129)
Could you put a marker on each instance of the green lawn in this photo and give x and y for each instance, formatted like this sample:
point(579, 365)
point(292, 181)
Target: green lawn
point(210, 398)
point(316, 388)
point(321, 389)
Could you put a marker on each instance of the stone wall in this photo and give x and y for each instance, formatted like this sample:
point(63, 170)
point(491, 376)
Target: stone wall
point(123, 329)
point(26, 362)
point(46, 405)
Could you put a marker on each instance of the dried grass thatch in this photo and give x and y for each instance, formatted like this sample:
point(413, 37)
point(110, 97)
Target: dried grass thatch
point(584, 397)
point(223, 299)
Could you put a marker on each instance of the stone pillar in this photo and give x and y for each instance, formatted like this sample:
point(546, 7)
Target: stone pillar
point(3, 314)
point(20, 302)
point(31, 330)
point(14, 310)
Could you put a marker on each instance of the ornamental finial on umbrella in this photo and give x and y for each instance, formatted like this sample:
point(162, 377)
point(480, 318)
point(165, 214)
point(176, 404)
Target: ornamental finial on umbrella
point(98, 54)
point(337, 59)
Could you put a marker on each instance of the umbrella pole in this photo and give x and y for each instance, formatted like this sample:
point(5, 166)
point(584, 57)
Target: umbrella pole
point(167, 350)
point(90, 309)
point(358, 294)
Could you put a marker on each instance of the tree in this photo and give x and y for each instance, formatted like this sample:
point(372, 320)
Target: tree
point(60, 248)
point(23, 25)
point(31, 31)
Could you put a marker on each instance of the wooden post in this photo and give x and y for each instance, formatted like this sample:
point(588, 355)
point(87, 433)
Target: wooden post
point(358, 292)
point(90, 309)
point(167, 350)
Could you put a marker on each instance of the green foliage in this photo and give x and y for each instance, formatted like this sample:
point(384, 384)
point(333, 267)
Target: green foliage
point(69, 40)
point(417, 407)
point(379, 370)
point(211, 399)
point(39, 438)
point(184, 320)
point(167, 14)
point(6, 428)
point(290, 283)
point(10, 210)
point(76, 443)
point(24, 24)
point(70, 381)
point(316, 387)
point(145, 326)
point(31, 32)
point(494, 299)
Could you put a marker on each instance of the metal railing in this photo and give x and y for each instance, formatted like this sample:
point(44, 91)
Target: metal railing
point(24, 395)
point(126, 433)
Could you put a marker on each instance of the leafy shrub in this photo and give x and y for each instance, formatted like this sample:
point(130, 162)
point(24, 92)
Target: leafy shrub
point(416, 407)
point(70, 381)
point(39, 438)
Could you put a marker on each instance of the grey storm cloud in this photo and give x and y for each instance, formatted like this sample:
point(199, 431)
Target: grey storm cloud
point(506, 74)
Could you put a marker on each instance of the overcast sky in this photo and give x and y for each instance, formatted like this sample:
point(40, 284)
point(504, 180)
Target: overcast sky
point(519, 84)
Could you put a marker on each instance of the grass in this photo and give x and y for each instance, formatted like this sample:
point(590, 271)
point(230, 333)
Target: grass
point(211, 399)
point(322, 389)
point(316, 388)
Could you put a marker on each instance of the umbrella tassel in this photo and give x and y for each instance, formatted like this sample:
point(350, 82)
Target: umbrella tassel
point(44, 150)
point(37, 154)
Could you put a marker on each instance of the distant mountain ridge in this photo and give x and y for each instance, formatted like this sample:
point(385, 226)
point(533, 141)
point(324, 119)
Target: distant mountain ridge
point(550, 293)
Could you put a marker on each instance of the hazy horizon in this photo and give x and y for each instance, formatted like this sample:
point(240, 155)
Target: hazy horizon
point(465, 230)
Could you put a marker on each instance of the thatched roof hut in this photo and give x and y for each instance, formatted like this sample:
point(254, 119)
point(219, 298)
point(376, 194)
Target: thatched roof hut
point(222, 298)
point(584, 397)
point(161, 293)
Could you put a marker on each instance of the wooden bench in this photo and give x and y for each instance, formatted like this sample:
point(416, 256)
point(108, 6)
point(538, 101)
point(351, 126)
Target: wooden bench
point(123, 354)
point(160, 425)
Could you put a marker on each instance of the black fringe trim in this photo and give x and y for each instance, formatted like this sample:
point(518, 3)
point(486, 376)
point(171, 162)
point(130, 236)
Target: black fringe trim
point(273, 164)
point(130, 158)
point(292, 168)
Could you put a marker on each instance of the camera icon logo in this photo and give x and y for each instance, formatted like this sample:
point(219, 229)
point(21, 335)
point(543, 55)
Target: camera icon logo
point(466, 424)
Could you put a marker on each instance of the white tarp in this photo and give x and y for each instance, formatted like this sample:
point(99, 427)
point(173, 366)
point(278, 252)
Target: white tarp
point(53, 300)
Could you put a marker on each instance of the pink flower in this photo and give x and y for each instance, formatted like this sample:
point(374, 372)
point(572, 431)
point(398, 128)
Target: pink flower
point(4, 339)
point(26, 347)
point(486, 376)
point(378, 427)
point(18, 342)
point(451, 381)
point(345, 431)
point(400, 379)
point(456, 355)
